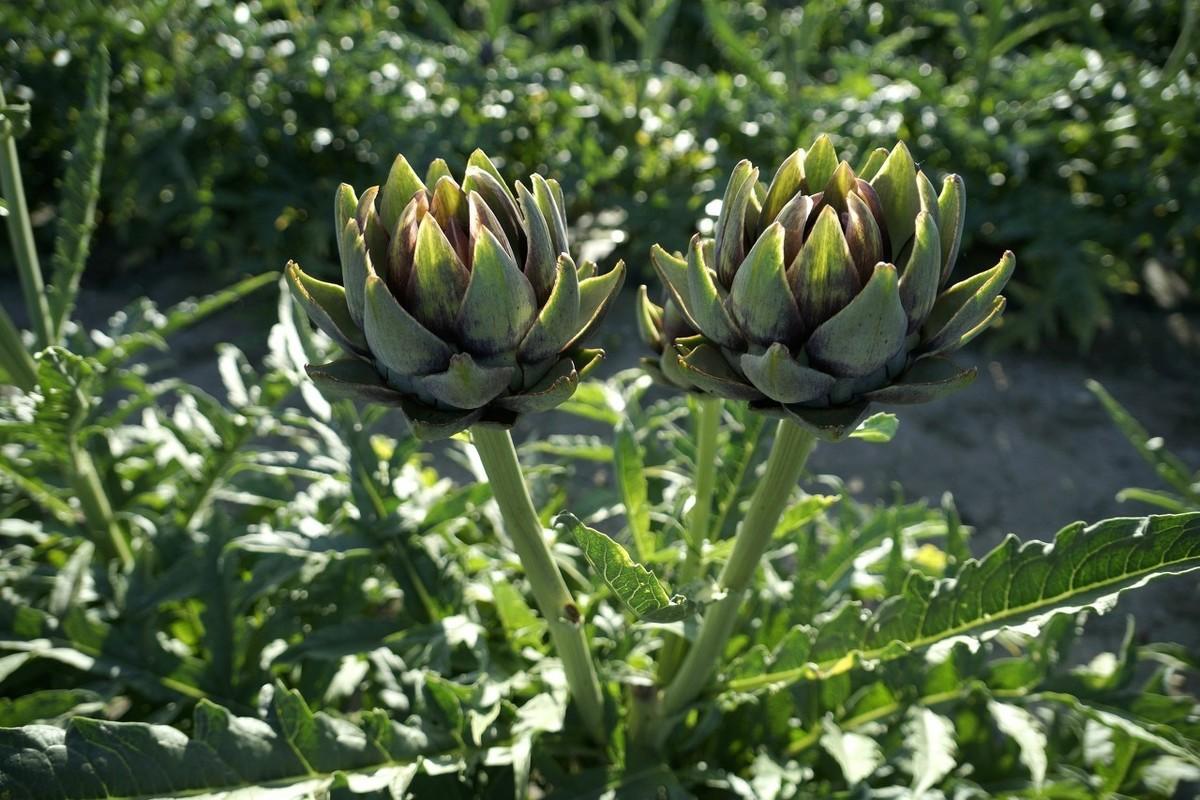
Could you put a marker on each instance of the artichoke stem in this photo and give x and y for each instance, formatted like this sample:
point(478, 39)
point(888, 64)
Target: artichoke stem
point(554, 599)
point(788, 454)
point(20, 231)
point(707, 430)
point(97, 510)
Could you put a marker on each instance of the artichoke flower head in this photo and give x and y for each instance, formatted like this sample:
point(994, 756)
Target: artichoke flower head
point(826, 291)
point(460, 303)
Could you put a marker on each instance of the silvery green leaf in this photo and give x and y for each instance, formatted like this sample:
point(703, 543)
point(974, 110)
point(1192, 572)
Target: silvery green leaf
point(298, 752)
point(878, 428)
point(629, 466)
point(1025, 729)
point(931, 737)
point(858, 755)
point(1017, 586)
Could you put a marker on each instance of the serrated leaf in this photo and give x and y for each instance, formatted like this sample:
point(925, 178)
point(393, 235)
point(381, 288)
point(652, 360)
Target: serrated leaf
point(637, 586)
point(931, 737)
point(1024, 729)
point(300, 753)
point(1016, 586)
point(858, 756)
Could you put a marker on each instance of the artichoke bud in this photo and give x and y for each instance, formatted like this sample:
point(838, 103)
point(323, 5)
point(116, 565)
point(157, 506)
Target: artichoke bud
point(824, 291)
point(459, 304)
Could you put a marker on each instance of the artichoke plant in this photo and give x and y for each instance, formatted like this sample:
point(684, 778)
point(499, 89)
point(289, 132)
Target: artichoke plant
point(826, 291)
point(460, 303)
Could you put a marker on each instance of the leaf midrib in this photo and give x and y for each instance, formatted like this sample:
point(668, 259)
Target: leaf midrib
point(842, 664)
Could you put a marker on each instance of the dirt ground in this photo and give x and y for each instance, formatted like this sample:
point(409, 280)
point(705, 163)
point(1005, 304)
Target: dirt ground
point(1026, 449)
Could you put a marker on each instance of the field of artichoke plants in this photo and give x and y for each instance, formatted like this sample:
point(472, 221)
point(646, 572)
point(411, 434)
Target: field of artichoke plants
point(415, 534)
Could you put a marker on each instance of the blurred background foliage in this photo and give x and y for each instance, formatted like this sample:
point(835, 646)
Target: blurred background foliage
point(1074, 123)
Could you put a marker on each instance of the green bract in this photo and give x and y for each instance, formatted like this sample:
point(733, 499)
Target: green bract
point(459, 303)
point(826, 291)
point(659, 327)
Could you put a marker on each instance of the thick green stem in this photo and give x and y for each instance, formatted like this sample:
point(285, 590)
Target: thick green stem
point(21, 234)
point(788, 454)
point(707, 430)
point(499, 458)
point(15, 361)
point(97, 511)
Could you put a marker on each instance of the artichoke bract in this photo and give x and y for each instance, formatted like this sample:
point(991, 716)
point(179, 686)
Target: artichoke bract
point(660, 327)
point(828, 290)
point(460, 303)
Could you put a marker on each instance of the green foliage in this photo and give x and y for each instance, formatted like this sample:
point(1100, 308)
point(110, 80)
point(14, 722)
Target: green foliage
point(1183, 493)
point(1067, 125)
point(81, 190)
point(284, 542)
